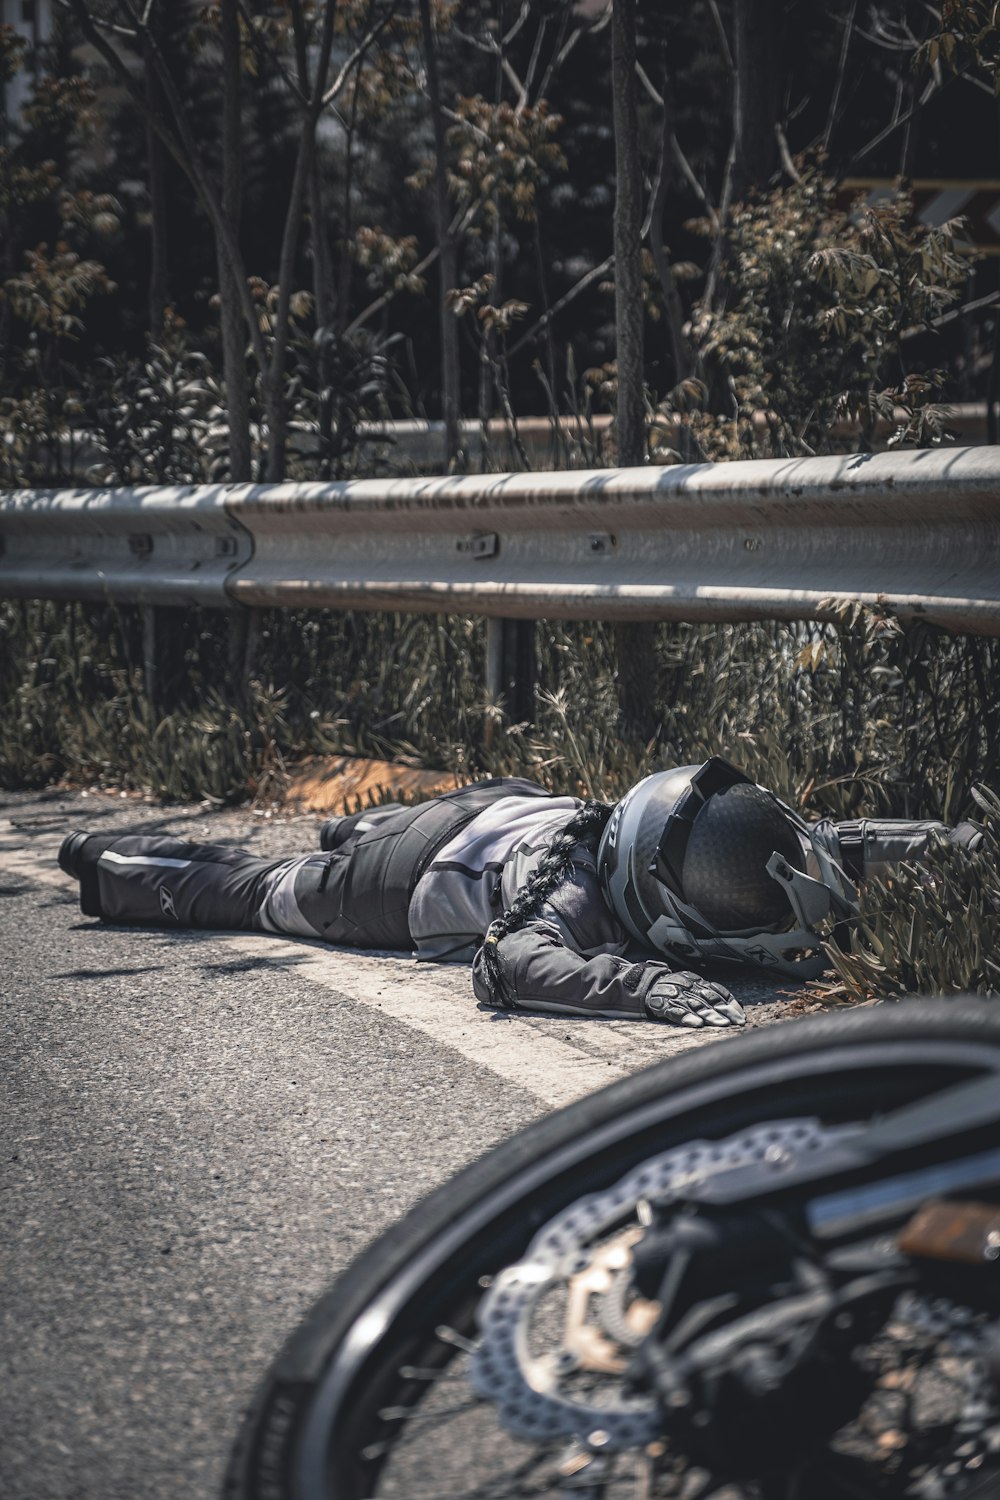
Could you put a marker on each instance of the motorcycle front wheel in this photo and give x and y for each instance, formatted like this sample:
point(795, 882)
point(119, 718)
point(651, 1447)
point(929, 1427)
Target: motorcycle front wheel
point(374, 1394)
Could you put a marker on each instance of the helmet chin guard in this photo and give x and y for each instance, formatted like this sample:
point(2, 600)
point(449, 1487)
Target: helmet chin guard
point(702, 864)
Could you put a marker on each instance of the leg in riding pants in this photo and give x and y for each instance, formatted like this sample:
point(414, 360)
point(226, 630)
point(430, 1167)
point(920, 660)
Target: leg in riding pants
point(170, 882)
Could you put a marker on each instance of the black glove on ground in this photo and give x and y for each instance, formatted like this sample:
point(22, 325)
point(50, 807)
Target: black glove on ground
point(688, 1000)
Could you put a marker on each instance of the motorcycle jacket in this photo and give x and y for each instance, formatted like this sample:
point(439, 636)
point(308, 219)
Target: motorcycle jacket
point(570, 955)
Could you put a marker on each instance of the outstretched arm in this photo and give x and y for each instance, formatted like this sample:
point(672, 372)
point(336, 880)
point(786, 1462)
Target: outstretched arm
point(538, 971)
point(871, 847)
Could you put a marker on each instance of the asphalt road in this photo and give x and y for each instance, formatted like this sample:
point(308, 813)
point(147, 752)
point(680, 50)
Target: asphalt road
point(199, 1130)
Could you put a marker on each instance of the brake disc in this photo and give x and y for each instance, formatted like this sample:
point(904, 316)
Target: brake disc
point(558, 1327)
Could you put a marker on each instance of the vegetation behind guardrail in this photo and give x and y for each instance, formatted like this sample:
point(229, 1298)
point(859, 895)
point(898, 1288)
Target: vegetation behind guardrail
point(861, 715)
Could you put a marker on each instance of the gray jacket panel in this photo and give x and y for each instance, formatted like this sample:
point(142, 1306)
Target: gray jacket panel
point(469, 881)
point(569, 957)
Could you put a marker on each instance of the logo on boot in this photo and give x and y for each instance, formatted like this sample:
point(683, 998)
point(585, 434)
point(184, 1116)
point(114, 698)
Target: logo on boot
point(167, 903)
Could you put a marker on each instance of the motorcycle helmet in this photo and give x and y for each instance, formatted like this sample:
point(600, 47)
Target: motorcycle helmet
point(701, 863)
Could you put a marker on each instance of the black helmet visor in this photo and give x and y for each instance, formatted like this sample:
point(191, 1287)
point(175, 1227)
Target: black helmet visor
point(668, 862)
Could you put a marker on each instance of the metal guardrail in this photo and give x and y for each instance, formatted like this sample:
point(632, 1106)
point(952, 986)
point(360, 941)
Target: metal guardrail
point(552, 445)
point(416, 445)
point(916, 532)
point(144, 546)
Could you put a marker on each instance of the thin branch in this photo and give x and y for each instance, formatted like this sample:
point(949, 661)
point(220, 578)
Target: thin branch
point(98, 21)
point(724, 47)
point(952, 315)
point(903, 43)
point(566, 48)
point(523, 15)
point(841, 71)
point(979, 83)
point(688, 172)
point(785, 154)
point(653, 230)
point(293, 217)
point(457, 119)
point(557, 307)
point(493, 48)
point(457, 225)
point(898, 120)
point(560, 57)
point(358, 54)
point(388, 296)
point(536, 53)
point(487, 43)
point(679, 159)
point(270, 54)
point(516, 84)
point(556, 51)
point(649, 85)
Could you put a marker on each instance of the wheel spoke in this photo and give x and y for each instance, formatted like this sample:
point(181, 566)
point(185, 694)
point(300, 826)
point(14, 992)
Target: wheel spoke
point(413, 1417)
point(457, 1340)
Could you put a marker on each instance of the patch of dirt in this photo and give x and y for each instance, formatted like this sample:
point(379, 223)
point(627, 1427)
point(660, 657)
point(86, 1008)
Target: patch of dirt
point(345, 783)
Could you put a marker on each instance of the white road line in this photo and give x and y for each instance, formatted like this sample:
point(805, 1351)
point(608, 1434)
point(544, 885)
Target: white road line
point(536, 1053)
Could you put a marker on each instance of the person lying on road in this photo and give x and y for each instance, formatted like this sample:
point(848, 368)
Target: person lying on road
point(561, 905)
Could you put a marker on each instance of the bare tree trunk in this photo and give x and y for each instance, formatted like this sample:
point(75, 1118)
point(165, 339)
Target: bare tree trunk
point(682, 361)
point(234, 363)
point(7, 258)
point(993, 387)
point(325, 304)
point(156, 158)
point(448, 264)
point(243, 624)
point(635, 643)
point(324, 300)
point(487, 346)
point(627, 238)
point(346, 270)
point(755, 39)
point(320, 246)
point(274, 380)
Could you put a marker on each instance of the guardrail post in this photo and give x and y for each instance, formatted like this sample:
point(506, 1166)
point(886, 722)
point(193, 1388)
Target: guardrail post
point(243, 642)
point(635, 651)
point(510, 666)
point(160, 655)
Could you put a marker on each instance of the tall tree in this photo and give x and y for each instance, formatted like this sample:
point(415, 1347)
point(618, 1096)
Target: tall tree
point(156, 166)
point(234, 339)
point(755, 98)
point(448, 257)
point(631, 420)
point(635, 642)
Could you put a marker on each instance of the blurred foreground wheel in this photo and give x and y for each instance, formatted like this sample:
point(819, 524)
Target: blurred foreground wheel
point(429, 1371)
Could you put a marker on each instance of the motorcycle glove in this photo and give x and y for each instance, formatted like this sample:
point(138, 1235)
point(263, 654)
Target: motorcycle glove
point(686, 999)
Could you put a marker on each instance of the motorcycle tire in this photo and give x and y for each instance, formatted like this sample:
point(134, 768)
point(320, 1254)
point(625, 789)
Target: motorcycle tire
point(346, 1389)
